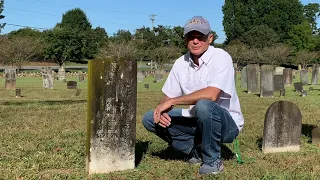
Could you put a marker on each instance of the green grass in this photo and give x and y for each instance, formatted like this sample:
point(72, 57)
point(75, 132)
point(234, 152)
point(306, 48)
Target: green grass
point(43, 137)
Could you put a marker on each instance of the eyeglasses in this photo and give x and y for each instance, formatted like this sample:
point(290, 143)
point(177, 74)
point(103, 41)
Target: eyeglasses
point(200, 37)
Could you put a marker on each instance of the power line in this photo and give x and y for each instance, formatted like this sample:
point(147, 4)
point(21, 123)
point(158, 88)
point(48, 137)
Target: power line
point(18, 25)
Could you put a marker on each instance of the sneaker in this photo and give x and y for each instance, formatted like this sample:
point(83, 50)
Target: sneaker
point(212, 168)
point(194, 157)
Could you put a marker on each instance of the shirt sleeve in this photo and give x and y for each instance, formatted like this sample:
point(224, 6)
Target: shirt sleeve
point(222, 76)
point(171, 87)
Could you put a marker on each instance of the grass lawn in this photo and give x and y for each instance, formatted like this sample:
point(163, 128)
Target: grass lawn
point(43, 137)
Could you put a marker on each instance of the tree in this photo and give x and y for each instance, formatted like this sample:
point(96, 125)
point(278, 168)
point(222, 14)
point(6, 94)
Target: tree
point(25, 32)
point(1, 16)
point(165, 54)
point(260, 36)
point(76, 20)
point(242, 15)
point(240, 53)
point(306, 58)
point(276, 55)
point(118, 49)
point(16, 51)
point(300, 37)
point(311, 12)
point(121, 36)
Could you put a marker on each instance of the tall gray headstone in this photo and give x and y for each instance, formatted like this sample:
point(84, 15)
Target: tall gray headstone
point(266, 81)
point(304, 77)
point(47, 79)
point(253, 78)
point(282, 128)
point(62, 74)
point(315, 74)
point(140, 76)
point(278, 82)
point(287, 76)
point(244, 78)
point(10, 79)
point(278, 70)
point(111, 124)
point(298, 86)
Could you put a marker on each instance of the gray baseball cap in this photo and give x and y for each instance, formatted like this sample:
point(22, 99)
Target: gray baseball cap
point(197, 23)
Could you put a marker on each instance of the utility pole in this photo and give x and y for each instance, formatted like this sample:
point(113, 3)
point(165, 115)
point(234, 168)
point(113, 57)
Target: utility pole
point(152, 19)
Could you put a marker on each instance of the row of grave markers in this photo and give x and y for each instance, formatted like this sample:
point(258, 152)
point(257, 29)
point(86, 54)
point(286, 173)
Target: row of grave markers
point(272, 80)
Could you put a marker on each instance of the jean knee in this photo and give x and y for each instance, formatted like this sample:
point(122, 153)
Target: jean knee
point(203, 107)
point(148, 122)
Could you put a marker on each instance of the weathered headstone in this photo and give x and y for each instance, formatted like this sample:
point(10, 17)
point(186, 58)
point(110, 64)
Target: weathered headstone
point(146, 86)
point(278, 82)
point(282, 128)
point(18, 93)
point(244, 78)
point(299, 67)
point(282, 92)
point(266, 81)
point(81, 77)
point(157, 77)
point(298, 86)
point(54, 75)
point(304, 77)
point(47, 80)
point(61, 74)
point(10, 79)
point(71, 84)
point(303, 93)
point(253, 78)
point(278, 70)
point(112, 98)
point(315, 74)
point(315, 135)
point(287, 76)
point(140, 77)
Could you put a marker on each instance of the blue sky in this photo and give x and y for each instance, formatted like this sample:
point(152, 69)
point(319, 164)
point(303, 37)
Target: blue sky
point(114, 15)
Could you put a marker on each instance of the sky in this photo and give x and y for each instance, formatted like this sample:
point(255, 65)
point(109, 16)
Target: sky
point(116, 14)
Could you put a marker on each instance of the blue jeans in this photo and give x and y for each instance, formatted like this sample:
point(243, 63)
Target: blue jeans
point(211, 126)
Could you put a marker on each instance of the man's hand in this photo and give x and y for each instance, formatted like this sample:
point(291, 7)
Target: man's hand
point(160, 114)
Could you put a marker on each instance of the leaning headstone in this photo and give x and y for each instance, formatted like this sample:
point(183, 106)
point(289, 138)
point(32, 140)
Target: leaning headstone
point(71, 84)
point(253, 78)
point(47, 80)
point(315, 74)
point(304, 77)
point(287, 76)
point(112, 100)
point(140, 77)
point(10, 79)
point(278, 70)
point(278, 82)
point(298, 86)
point(315, 135)
point(18, 93)
point(244, 78)
point(282, 128)
point(303, 93)
point(266, 81)
point(61, 74)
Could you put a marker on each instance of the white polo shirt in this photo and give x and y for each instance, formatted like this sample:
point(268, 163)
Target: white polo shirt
point(215, 69)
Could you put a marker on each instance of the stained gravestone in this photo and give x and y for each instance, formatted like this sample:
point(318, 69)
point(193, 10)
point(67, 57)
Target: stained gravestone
point(10, 79)
point(304, 77)
point(315, 74)
point(54, 75)
point(287, 76)
point(140, 77)
point(112, 98)
point(18, 93)
point(244, 78)
point(47, 80)
point(266, 81)
point(282, 128)
point(278, 82)
point(62, 74)
point(157, 77)
point(81, 77)
point(253, 78)
point(315, 135)
point(298, 86)
point(278, 70)
point(72, 84)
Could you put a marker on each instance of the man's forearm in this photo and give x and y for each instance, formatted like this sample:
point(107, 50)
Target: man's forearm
point(164, 99)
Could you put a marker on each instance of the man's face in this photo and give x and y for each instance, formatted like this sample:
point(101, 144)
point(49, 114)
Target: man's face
point(198, 43)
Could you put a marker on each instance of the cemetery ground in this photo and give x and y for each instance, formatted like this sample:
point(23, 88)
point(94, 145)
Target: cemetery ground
point(43, 136)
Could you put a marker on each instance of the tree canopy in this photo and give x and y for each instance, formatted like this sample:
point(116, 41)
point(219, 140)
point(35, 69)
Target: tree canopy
point(1, 16)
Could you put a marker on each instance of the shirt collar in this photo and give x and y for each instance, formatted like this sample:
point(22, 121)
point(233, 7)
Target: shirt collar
point(206, 56)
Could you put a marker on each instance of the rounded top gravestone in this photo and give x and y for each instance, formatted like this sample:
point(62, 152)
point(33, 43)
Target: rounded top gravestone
point(282, 128)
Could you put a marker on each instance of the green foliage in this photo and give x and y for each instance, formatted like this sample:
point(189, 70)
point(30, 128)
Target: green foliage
point(311, 12)
point(260, 36)
point(76, 20)
point(300, 37)
point(121, 36)
point(241, 16)
point(25, 32)
point(1, 16)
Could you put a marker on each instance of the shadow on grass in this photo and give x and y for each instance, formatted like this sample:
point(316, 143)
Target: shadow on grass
point(306, 130)
point(171, 154)
point(50, 102)
point(140, 149)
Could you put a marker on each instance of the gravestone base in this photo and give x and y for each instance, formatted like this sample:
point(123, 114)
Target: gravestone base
point(281, 149)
